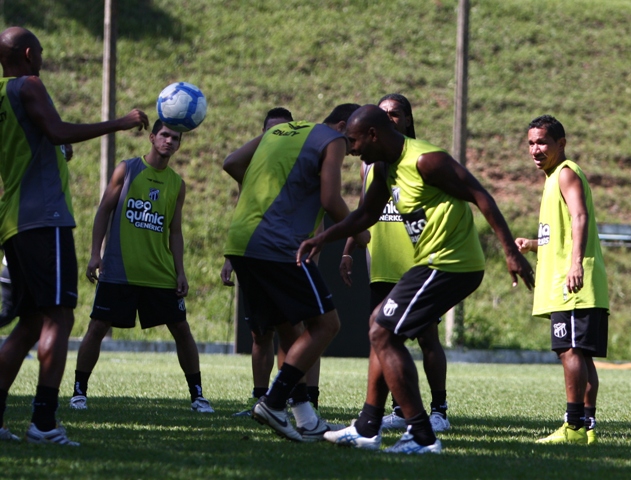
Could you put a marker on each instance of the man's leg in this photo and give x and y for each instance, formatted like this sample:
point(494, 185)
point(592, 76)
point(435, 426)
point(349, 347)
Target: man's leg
point(401, 377)
point(435, 367)
point(188, 357)
point(262, 361)
point(591, 393)
point(88, 355)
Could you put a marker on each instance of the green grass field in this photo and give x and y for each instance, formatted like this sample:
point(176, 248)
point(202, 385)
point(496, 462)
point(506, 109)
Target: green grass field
point(139, 426)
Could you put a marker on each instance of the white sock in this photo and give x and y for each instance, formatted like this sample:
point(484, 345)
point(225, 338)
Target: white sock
point(305, 415)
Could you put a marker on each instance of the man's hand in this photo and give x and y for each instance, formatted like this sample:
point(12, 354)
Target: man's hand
point(523, 244)
point(135, 118)
point(226, 274)
point(574, 279)
point(182, 286)
point(94, 264)
point(310, 247)
point(346, 269)
point(518, 265)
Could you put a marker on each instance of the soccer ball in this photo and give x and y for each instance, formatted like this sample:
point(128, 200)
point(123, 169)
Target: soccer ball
point(181, 106)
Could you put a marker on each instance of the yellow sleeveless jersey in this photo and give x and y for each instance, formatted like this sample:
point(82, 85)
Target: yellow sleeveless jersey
point(554, 253)
point(440, 226)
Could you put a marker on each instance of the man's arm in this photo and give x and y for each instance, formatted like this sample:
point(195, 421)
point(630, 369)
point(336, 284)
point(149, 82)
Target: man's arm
point(574, 196)
point(102, 219)
point(43, 114)
point(176, 243)
point(441, 170)
point(238, 161)
point(346, 262)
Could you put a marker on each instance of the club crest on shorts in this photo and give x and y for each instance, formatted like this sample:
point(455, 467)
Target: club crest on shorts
point(181, 305)
point(154, 194)
point(559, 330)
point(390, 307)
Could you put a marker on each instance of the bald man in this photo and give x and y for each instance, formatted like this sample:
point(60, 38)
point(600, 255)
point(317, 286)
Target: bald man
point(432, 192)
point(36, 222)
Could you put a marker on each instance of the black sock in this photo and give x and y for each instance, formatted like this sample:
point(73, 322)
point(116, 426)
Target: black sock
point(285, 381)
point(590, 417)
point(45, 405)
point(575, 415)
point(194, 381)
point(258, 392)
point(439, 402)
point(299, 394)
point(81, 383)
point(3, 405)
point(314, 395)
point(369, 421)
point(421, 429)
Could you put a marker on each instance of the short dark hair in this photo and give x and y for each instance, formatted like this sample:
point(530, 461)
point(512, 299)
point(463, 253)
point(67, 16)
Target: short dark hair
point(341, 113)
point(407, 108)
point(277, 112)
point(157, 126)
point(552, 125)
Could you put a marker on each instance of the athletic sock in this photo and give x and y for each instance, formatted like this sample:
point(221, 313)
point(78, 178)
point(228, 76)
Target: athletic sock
point(575, 415)
point(590, 418)
point(285, 381)
point(299, 394)
point(45, 405)
point(81, 383)
point(396, 409)
point(258, 392)
point(305, 415)
point(421, 429)
point(314, 394)
point(369, 422)
point(439, 402)
point(194, 381)
point(3, 405)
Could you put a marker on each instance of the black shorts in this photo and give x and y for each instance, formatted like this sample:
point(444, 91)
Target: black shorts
point(584, 328)
point(43, 269)
point(422, 296)
point(279, 292)
point(117, 304)
point(378, 292)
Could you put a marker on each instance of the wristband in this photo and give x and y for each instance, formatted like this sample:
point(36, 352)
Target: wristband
point(347, 256)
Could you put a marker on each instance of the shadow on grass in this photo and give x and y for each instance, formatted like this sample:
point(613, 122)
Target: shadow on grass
point(132, 437)
point(137, 19)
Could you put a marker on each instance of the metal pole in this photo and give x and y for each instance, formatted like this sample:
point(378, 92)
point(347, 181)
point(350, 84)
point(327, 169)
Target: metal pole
point(454, 321)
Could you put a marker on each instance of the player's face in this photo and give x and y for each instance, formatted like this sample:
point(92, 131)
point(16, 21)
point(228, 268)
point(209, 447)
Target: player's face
point(396, 114)
point(544, 150)
point(166, 141)
point(362, 144)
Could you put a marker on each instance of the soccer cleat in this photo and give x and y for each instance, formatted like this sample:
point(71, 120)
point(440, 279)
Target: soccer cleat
point(6, 435)
point(439, 423)
point(248, 411)
point(408, 445)
point(317, 433)
point(393, 422)
point(591, 437)
point(57, 436)
point(276, 419)
point(79, 402)
point(202, 405)
point(565, 434)
point(349, 437)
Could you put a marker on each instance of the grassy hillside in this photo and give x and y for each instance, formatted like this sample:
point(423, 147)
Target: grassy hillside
point(564, 57)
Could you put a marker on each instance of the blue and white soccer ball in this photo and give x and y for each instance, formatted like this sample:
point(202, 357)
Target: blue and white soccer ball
point(181, 106)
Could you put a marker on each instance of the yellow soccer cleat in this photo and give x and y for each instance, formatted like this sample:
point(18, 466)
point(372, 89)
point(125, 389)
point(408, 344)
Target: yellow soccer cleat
point(591, 437)
point(566, 434)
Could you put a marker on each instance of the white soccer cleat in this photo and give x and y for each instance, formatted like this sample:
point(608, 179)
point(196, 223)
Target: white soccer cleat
point(276, 419)
point(79, 402)
point(393, 422)
point(6, 435)
point(407, 445)
point(57, 436)
point(439, 423)
point(202, 405)
point(349, 437)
